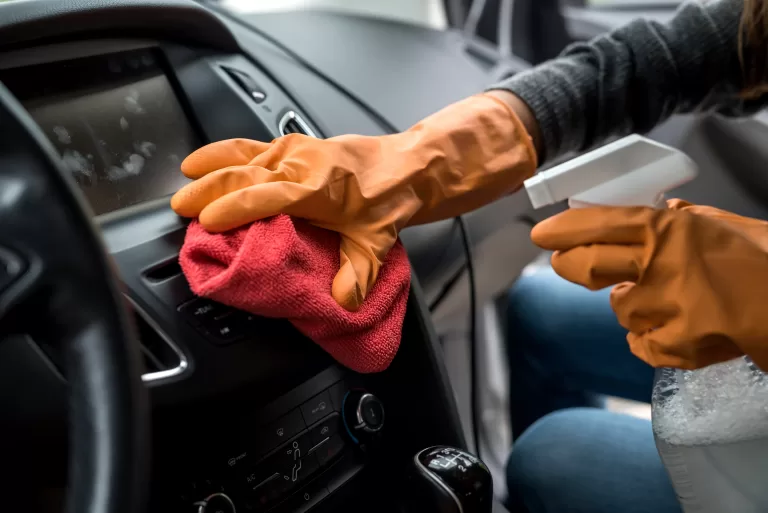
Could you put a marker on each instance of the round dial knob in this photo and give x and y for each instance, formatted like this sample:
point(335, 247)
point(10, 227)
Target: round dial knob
point(215, 503)
point(363, 414)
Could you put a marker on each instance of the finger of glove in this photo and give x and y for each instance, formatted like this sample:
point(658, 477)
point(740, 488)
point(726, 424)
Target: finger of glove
point(599, 265)
point(250, 204)
point(703, 210)
point(599, 225)
point(191, 199)
point(221, 154)
point(283, 148)
point(678, 204)
point(640, 308)
point(357, 273)
point(753, 229)
point(666, 348)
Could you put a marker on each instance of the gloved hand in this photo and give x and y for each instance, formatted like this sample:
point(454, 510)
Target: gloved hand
point(691, 281)
point(365, 188)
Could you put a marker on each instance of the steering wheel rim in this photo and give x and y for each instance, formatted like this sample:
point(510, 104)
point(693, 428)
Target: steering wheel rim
point(52, 263)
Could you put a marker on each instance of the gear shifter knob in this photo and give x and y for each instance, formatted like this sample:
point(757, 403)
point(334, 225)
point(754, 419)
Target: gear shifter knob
point(449, 480)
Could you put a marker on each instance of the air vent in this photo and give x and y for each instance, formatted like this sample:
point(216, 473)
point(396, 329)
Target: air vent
point(292, 123)
point(164, 271)
point(162, 358)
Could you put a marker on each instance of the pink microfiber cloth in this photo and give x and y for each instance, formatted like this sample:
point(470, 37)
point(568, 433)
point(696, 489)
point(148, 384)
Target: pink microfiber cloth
point(284, 267)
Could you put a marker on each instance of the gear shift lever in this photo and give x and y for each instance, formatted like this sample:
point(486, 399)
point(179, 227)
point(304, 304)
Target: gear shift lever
point(448, 480)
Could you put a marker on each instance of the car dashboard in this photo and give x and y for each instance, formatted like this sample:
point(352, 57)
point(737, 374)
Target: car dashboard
point(246, 410)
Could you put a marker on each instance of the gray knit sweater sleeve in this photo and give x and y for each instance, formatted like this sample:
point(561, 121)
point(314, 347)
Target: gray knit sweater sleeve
point(637, 76)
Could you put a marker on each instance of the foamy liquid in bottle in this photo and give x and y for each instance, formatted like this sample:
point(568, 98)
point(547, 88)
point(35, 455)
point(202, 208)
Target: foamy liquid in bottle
point(711, 430)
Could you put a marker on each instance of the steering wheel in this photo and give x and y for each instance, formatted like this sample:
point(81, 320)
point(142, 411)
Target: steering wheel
point(52, 263)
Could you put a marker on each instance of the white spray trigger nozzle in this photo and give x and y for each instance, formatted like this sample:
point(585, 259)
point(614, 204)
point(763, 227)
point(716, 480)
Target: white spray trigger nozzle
point(633, 171)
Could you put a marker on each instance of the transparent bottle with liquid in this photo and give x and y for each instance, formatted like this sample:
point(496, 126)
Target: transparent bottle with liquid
point(711, 430)
point(711, 424)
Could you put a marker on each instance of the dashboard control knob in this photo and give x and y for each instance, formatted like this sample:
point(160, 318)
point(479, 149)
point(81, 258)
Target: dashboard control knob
point(215, 503)
point(363, 415)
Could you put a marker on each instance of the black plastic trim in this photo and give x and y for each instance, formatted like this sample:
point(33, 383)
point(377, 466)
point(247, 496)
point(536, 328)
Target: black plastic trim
point(183, 21)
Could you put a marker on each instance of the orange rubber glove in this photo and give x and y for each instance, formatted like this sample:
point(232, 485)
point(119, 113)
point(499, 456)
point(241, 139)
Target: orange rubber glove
point(691, 280)
point(365, 188)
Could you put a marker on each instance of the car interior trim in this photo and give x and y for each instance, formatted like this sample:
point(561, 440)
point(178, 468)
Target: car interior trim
point(175, 371)
point(293, 116)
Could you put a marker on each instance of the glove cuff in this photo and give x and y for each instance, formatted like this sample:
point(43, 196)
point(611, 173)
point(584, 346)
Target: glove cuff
point(526, 140)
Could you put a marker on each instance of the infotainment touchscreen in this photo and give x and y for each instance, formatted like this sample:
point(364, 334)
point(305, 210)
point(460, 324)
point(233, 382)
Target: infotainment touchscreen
point(115, 119)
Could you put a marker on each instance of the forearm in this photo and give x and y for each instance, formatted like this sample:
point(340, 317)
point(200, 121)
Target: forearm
point(634, 78)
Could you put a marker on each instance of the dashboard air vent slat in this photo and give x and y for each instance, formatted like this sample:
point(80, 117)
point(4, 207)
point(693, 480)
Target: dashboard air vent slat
point(292, 123)
point(161, 357)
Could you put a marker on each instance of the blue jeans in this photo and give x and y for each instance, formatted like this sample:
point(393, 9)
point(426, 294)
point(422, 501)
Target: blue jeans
point(566, 350)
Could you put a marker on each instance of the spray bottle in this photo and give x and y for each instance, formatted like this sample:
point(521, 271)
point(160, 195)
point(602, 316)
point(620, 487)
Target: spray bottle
point(633, 171)
point(710, 425)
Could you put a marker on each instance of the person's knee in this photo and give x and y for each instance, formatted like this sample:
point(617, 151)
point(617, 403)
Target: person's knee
point(556, 314)
point(537, 461)
point(527, 298)
point(546, 463)
point(591, 460)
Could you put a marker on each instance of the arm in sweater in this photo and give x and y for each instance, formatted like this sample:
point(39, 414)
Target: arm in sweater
point(636, 77)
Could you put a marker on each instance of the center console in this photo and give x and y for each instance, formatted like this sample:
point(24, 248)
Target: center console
point(292, 456)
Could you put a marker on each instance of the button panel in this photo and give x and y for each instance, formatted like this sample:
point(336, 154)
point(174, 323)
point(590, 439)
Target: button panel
point(235, 460)
point(286, 465)
point(269, 491)
point(277, 432)
point(229, 327)
point(306, 499)
point(329, 450)
point(272, 479)
point(326, 428)
point(317, 408)
point(290, 455)
point(219, 323)
point(200, 309)
point(337, 393)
